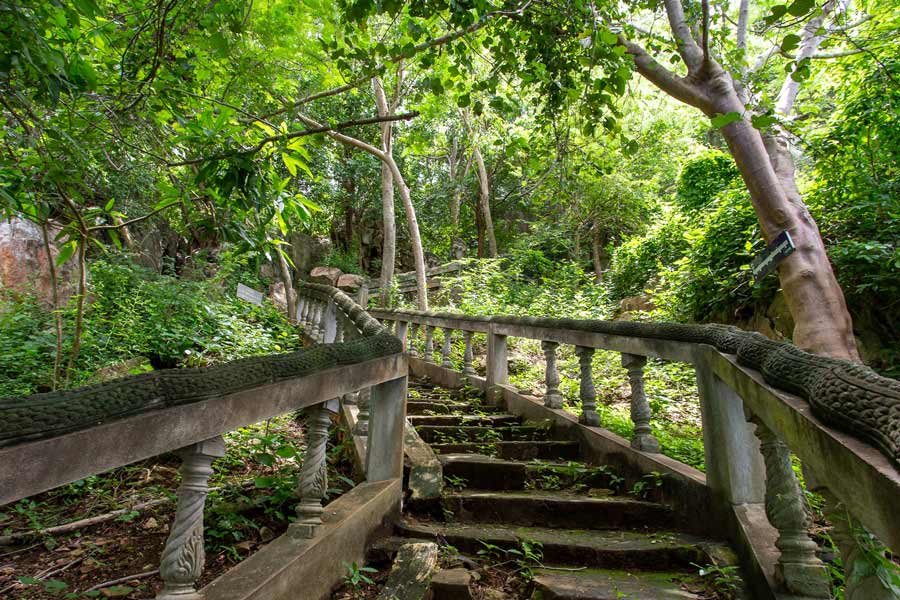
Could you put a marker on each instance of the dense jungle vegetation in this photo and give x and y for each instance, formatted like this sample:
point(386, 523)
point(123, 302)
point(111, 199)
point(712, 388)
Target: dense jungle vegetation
point(579, 158)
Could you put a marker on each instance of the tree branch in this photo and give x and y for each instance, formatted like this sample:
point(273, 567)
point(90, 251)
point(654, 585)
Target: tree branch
point(687, 47)
point(664, 79)
point(315, 128)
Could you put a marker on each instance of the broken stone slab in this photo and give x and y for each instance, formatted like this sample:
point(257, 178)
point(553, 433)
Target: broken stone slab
point(451, 584)
point(426, 477)
point(350, 282)
point(325, 275)
point(411, 574)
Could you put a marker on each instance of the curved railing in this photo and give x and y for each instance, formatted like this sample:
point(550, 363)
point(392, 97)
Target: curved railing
point(48, 440)
point(761, 401)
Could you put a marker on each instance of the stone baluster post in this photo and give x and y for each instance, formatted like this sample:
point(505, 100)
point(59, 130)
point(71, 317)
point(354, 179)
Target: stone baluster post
point(314, 473)
point(301, 306)
point(552, 399)
point(640, 409)
point(429, 343)
point(362, 418)
point(587, 392)
point(401, 332)
point(304, 311)
point(798, 569)
point(468, 357)
point(183, 556)
point(445, 349)
point(411, 342)
point(350, 333)
point(322, 325)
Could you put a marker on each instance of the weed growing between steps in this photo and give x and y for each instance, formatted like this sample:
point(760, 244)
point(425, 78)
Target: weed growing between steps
point(251, 502)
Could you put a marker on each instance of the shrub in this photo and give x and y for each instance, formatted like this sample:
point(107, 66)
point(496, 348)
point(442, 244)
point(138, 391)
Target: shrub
point(703, 178)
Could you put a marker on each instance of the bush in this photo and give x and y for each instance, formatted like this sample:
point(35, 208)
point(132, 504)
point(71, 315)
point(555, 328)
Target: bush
point(703, 178)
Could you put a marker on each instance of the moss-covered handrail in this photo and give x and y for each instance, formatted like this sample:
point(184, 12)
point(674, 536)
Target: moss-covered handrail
point(848, 396)
point(45, 415)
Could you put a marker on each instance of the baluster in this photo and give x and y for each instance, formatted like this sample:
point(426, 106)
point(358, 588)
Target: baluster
point(362, 418)
point(552, 399)
point(401, 334)
point(411, 344)
point(338, 326)
point(323, 315)
point(640, 409)
point(183, 556)
point(587, 392)
point(304, 311)
point(314, 472)
point(468, 357)
point(798, 568)
point(429, 343)
point(445, 350)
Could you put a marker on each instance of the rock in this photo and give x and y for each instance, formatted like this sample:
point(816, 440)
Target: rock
point(426, 478)
point(780, 315)
point(307, 251)
point(350, 282)
point(23, 261)
point(636, 303)
point(277, 295)
point(150, 523)
point(410, 576)
point(267, 271)
point(451, 584)
point(326, 275)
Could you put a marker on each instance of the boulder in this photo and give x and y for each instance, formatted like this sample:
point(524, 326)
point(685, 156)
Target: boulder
point(326, 275)
point(410, 576)
point(307, 251)
point(24, 263)
point(350, 282)
point(277, 295)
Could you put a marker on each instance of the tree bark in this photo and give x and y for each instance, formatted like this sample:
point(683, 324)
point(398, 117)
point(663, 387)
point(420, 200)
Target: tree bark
point(290, 296)
point(595, 251)
point(484, 196)
point(389, 244)
point(57, 315)
point(822, 321)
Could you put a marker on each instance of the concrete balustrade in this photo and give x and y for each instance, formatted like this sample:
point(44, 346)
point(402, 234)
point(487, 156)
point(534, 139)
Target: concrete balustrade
point(749, 477)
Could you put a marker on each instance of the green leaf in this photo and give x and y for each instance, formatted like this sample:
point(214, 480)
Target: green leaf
point(66, 252)
point(790, 43)
point(608, 37)
point(800, 7)
point(264, 482)
point(763, 121)
point(265, 459)
point(286, 452)
point(109, 205)
point(720, 121)
point(166, 203)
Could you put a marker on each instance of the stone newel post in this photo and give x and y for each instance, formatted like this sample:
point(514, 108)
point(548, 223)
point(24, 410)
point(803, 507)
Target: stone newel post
point(468, 357)
point(587, 392)
point(411, 342)
point(314, 475)
point(183, 556)
point(798, 568)
point(640, 408)
point(552, 398)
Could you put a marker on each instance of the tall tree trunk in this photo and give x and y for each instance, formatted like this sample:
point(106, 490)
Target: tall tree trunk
point(412, 222)
point(822, 321)
point(484, 196)
point(290, 296)
point(389, 243)
point(595, 251)
point(79, 307)
point(57, 315)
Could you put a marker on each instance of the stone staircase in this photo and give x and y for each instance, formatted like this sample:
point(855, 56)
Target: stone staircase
point(520, 493)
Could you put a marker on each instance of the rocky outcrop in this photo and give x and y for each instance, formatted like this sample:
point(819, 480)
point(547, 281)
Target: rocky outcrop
point(306, 251)
point(325, 275)
point(23, 261)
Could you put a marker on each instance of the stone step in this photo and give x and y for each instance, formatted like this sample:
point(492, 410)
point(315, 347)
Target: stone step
point(597, 548)
point(452, 434)
point(516, 450)
point(536, 508)
point(465, 420)
point(602, 584)
point(423, 407)
point(484, 472)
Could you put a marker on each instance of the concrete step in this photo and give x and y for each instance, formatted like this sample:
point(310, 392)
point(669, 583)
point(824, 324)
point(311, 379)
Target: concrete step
point(535, 508)
point(516, 450)
point(453, 434)
point(484, 472)
point(465, 420)
point(425, 407)
point(660, 550)
point(602, 584)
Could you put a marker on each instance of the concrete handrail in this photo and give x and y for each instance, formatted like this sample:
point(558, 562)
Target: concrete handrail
point(761, 400)
point(52, 439)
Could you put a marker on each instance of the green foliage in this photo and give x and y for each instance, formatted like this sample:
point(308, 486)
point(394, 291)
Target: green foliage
point(357, 575)
point(636, 263)
point(703, 178)
point(134, 312)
